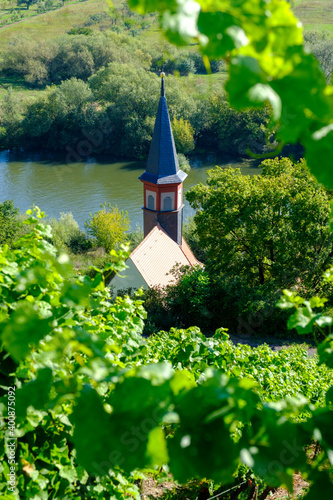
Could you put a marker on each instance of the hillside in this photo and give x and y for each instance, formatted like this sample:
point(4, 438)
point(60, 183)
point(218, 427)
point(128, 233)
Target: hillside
point(315, 14)
point(53, 23)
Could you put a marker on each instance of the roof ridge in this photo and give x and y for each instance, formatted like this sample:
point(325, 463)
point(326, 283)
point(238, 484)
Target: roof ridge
point(144, 239)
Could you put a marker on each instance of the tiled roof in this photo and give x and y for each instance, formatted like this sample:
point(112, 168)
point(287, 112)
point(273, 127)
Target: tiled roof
point(180, 176)
point(157, 254)
point(162, 166)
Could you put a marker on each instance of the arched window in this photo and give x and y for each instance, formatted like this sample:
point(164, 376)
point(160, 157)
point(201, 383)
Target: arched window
point(167, 203)
point(151, 202)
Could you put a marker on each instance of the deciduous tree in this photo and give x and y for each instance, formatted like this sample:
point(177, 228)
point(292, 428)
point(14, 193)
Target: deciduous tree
point(108, 226)
point(269, 226)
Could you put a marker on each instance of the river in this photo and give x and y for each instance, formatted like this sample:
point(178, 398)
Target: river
point(55, 186)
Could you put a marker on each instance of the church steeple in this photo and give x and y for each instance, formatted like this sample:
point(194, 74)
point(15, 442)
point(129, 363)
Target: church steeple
point(163, 179)
point(162, 166)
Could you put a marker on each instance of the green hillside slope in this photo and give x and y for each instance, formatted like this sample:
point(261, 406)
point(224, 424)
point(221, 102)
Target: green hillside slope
point(53, 23)
point(315, 14)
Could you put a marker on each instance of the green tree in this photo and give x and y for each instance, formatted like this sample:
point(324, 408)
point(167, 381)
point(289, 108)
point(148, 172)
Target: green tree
point(64, 230)
point(108, 226)
point(127, 92)
point(183, 134)
point(237, 131)
point(9, 222)
point(270, 226)
point(27, 2)
point(321, 45)
point(11, 113)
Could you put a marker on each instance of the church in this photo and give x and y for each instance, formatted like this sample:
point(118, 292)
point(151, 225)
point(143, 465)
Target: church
point(163, 246)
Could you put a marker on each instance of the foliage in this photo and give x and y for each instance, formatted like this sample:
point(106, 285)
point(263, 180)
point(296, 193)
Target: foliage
point(221, 300)
point(269, 227)
point(184, 164)
point(321, 45)
point(104, 397)
point(69, 56)
point(11, 119)
point(79, 243)
point(296, 373)
point(183, 135)
point(108, 226)
point(83, 353)
point(130, 107)
point(27, 2)
point(238, 133)
point(263, 46)
point(191, 237)
point(134, 237)
point(64, 229)
point(38, 302)
point(9, 222)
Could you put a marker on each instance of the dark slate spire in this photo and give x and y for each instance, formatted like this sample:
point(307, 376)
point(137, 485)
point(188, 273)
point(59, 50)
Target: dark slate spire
point(162, 165)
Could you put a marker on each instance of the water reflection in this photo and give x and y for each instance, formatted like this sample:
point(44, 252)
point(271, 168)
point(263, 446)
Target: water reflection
point(46, 180)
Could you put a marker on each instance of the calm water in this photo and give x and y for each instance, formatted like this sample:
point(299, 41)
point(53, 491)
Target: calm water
point(81, 188)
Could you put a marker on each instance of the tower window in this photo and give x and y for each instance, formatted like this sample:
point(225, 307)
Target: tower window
point(151, 202)
point(167, 203)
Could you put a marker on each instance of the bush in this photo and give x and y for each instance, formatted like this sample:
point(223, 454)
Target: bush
point(183, 134)
point(79, 243)
point(64, 230)
point(184, 164)
point(108, 226)
point(9, 222)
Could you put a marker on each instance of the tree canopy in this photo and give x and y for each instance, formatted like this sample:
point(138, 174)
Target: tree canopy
point(269, 226)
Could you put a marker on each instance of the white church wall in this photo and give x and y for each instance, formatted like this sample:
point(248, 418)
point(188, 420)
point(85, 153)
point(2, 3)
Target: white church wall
point(129, 278)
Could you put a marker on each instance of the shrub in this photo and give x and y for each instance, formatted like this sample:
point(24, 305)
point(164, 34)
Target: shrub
point(183, 135)
point(184, 164)
point(79, 243)
point(9, 222)
point(64, 229)
point(108, 226)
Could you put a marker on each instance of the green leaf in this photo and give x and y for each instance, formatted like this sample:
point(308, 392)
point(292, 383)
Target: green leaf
point(260, 93)
point(156, 452)
point(24, 330)
point(92, 434)
point(325, 351)
point(34, 393)
point(302, 320)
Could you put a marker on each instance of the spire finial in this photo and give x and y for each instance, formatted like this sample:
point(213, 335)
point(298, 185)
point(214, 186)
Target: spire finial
point(162, 84)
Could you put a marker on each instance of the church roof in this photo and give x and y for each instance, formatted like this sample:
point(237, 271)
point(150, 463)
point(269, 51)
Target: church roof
point(157, 254)
point(162, 166)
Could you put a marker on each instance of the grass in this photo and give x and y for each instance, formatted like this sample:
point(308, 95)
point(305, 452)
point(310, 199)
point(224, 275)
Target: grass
point(11, 13)
point(315, 14)
point(53, 23)
point(200, 85)
point(19, 86)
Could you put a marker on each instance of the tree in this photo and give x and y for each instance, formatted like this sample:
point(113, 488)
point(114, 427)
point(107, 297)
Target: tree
point(9, 222)
point(183, 134)
point(27, 2)
point(321, 45)
point(237, 131)
point(273, 226)
point(132, 96)
point(108, 226)
point(64, 229)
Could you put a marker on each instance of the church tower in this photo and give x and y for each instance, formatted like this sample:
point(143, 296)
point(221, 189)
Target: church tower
point(163, 179)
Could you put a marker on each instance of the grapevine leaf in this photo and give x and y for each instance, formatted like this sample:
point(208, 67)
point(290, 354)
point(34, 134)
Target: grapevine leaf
point(35, 393)
point(24, 330)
